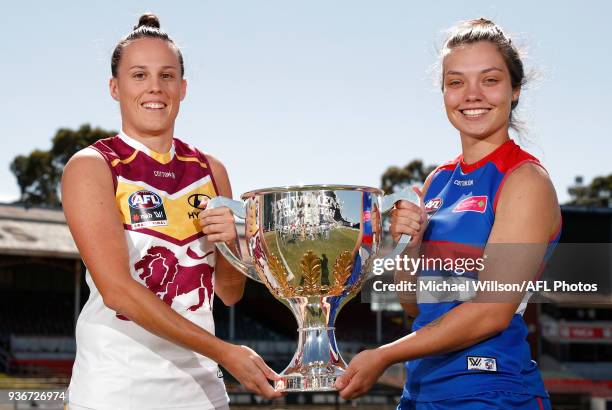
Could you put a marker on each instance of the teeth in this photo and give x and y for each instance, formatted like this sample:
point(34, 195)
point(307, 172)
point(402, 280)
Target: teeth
point(475, 112)
point(154, 105)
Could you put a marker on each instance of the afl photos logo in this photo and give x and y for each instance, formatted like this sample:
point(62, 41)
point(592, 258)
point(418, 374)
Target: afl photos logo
point(146, 209)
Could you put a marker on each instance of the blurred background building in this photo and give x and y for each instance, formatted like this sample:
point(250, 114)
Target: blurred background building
point(42, 289)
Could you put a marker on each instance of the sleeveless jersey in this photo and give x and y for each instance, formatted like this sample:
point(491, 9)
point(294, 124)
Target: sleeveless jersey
point(120, 365)
point(461, 202)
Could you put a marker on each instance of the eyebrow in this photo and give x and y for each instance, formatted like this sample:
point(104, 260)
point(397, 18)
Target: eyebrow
point(486, 70)
point(166, 67)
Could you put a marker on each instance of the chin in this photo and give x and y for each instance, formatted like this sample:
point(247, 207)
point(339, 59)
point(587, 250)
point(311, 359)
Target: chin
point(155, 129)
point(473, 133)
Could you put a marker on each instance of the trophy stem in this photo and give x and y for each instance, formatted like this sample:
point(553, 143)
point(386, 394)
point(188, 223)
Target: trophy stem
point(317, 362)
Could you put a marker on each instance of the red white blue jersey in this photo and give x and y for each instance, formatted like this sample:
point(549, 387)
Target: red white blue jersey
point(461, 202)
point(119, 364)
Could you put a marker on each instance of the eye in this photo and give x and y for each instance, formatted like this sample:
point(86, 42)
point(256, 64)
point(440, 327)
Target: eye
point(167, 76)
point(138, 75)
point(454, 83)
point(491, 80)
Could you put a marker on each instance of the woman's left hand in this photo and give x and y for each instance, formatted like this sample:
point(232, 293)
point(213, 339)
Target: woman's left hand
point(218, 224)
point(363, 371)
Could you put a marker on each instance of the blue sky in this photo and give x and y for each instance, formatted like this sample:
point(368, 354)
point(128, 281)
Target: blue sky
point(288, 92)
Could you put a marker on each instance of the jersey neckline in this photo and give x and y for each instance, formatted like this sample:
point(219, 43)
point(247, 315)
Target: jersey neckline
point(491, 157)
point(162, 158)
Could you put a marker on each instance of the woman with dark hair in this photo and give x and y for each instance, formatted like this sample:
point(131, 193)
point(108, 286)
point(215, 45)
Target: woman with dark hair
point(496, 200)
point(145, 338)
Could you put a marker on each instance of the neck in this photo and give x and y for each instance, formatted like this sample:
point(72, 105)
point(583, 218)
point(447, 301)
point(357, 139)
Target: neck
point(158, 142)
point(474, 149)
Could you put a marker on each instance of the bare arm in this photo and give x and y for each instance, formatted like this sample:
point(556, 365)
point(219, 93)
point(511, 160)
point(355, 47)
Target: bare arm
point(527, 213)
point(89, 204)
point(91, 212)
point(219, 225)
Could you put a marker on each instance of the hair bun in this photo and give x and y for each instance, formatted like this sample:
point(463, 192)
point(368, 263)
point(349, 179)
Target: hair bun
point(148, 20)
point(484, 21)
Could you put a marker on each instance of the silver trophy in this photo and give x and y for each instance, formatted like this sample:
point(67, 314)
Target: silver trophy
point(312, 246)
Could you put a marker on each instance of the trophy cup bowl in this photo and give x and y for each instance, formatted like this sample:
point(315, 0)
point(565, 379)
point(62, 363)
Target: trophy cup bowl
point(312, 247)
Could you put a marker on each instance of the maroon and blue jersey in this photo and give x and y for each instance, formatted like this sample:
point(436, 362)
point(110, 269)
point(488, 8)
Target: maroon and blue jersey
point(461, 202)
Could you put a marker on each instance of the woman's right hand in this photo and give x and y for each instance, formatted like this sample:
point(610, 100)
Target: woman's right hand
point(250, 370)
point(410, 219)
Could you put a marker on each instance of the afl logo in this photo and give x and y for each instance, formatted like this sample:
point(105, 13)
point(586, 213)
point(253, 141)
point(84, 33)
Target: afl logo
point(144, 200)
point(196, 199)
point(433, 205)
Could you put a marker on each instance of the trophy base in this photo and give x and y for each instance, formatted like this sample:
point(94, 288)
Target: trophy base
point(306, 383)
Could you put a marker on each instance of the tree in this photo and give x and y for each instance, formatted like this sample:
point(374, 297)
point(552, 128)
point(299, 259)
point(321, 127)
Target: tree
point(396, 178)
point(596, 194)
point(39, 173)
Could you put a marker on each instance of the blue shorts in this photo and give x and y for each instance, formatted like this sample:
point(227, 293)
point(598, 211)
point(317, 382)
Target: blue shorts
point(488, 401)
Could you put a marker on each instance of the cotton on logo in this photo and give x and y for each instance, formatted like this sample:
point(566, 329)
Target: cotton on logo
point(165, 277)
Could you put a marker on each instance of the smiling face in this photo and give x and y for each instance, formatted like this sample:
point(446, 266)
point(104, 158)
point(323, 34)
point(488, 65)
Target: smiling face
point(477, 91)
point(149, 88)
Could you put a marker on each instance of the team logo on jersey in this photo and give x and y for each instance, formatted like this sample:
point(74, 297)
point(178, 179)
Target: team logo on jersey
point(472, 203)
point(146, 209)
point(488, 364)
point(163, 275)
point(433, 205)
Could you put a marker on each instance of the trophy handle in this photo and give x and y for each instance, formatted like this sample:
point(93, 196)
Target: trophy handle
point(237, 207)
point(388, 201)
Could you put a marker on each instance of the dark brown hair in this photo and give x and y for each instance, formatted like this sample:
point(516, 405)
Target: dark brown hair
point(148, 27)
point(482, 29)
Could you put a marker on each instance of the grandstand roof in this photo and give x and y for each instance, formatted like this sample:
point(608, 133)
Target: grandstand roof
point(35, 232)
point(43, 232)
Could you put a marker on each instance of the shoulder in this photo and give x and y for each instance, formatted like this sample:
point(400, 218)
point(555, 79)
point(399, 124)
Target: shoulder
point(528, 178)
point(217, 169)
point(219, 173)
point(216, 166)
point(528, 195)
point(85, 159)
point(447, 166)
point(87, 167)
point(185, 149)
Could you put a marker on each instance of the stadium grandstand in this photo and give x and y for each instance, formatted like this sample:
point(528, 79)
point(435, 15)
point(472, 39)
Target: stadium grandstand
point(42, 290)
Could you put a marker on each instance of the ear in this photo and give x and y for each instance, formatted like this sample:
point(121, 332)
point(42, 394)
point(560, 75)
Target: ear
point(114, 88)
point(183, 88)
point(516, 94)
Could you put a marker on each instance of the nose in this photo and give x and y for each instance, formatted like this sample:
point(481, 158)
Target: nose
point(473, 92)
point(154, 85)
